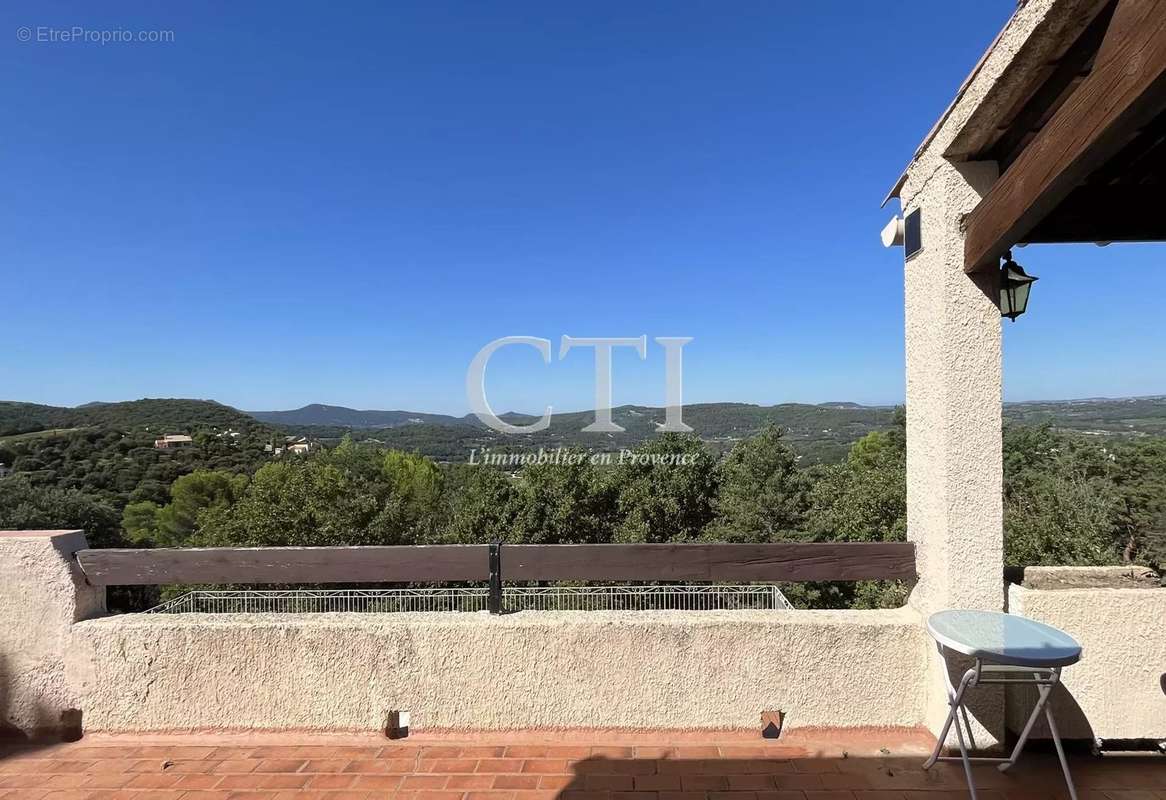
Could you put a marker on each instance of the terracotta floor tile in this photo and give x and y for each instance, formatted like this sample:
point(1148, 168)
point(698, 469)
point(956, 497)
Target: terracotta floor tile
point(546, 766)
point(325, 765)
point(280, 765)
point(815, 765)
point(606, 783)
point(657, 783)
point(696, 751)
point(804, 782)
point(555, 782)
point(283, 780)
point(71, 766)
point(232, 766)
point(500, 765)
point(446, 765)
point(330, 782)
point(490, 794)
point(377, 783)
point(842, 794)
point(31, 781)
point(436, 795)
point(376, 766)
point(690, 766)
point(193, 781)
point(480, 780)
point(64, 781)
point(231, 753)
point(751, 783)
point(613, 766)
point(110, 780)
point(704, 783)
point(244, 781)
point(540, 794)
point(875, 794)
point(418, 783)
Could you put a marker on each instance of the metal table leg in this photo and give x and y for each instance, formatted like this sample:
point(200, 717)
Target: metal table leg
point(1044, 679)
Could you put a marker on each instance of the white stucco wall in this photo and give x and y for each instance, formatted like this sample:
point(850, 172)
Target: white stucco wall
point(1118, 689)
point(954, 377)
point(527, 670)
point(41, 596)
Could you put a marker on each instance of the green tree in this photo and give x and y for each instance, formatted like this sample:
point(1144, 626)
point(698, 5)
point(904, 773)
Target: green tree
point(762, 492)
point(865, 498)
point(666, 490)
point(24, 506)
point(173, 524)
point(299, 502)
point(415, 509)
point(1061, 505)
point(569, 503)
point(485, 505)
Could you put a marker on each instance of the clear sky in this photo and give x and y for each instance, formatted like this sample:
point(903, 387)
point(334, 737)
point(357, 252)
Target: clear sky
point(342, 202)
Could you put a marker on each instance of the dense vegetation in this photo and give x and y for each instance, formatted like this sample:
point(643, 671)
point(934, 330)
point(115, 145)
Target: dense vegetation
point(1068, 498)
point(819, 434)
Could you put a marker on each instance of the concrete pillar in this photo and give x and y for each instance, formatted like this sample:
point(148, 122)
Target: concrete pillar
point(41, 595)
point(954, 396)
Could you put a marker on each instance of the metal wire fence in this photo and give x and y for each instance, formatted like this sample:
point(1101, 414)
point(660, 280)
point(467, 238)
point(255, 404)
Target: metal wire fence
point(685, 597)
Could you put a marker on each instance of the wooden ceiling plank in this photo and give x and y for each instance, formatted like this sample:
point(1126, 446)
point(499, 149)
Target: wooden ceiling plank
point(1052, 92)
point(1125, 90)
point(1118, 213)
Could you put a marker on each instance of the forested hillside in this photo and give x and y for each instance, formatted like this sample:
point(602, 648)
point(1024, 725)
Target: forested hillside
point(818, 433)
point(1069, 497)
point(176, 416)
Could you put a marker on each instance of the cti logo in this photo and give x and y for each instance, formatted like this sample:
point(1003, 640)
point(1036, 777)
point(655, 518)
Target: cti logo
point(673, 353)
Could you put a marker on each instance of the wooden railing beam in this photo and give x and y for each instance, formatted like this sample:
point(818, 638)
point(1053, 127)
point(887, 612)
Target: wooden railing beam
point(841, 561)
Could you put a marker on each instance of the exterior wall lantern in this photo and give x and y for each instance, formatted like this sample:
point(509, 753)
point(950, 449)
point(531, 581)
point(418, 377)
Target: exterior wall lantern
point(1015, 285)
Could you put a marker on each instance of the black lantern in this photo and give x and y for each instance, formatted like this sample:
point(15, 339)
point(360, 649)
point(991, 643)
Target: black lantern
point(1015, 285)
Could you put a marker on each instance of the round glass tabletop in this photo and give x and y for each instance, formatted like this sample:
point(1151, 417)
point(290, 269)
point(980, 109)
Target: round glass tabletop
point(1003, 638)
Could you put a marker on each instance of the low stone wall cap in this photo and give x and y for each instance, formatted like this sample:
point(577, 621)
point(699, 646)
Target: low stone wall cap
point(1118, 577)
point(32, 534)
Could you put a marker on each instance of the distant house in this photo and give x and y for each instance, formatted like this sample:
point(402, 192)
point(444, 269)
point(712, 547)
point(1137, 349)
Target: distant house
point(300, 449)
point(171, 441)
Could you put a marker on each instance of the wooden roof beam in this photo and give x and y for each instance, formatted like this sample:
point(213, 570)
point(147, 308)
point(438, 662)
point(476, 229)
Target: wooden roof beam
point(1125, 91)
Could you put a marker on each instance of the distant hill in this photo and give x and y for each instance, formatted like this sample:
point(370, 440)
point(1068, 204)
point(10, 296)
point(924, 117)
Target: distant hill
point(1102, 416)
point(341, 417)
point(820, 433)
point(163, 415)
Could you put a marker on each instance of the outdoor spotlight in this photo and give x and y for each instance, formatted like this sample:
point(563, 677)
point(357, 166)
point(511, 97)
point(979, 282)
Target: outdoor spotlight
point(1015, 285)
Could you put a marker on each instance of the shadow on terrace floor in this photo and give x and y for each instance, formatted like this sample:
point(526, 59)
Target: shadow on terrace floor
point(512, 767)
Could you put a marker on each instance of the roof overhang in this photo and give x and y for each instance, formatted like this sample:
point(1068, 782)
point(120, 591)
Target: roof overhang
point(1070, 104)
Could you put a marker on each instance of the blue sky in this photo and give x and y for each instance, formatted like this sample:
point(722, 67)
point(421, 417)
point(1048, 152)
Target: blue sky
point(341, 203)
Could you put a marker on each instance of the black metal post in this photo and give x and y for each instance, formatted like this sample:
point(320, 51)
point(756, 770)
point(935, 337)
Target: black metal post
point(495, 600)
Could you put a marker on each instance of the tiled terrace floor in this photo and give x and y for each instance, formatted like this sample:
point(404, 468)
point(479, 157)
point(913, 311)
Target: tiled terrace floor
point(550, 767)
